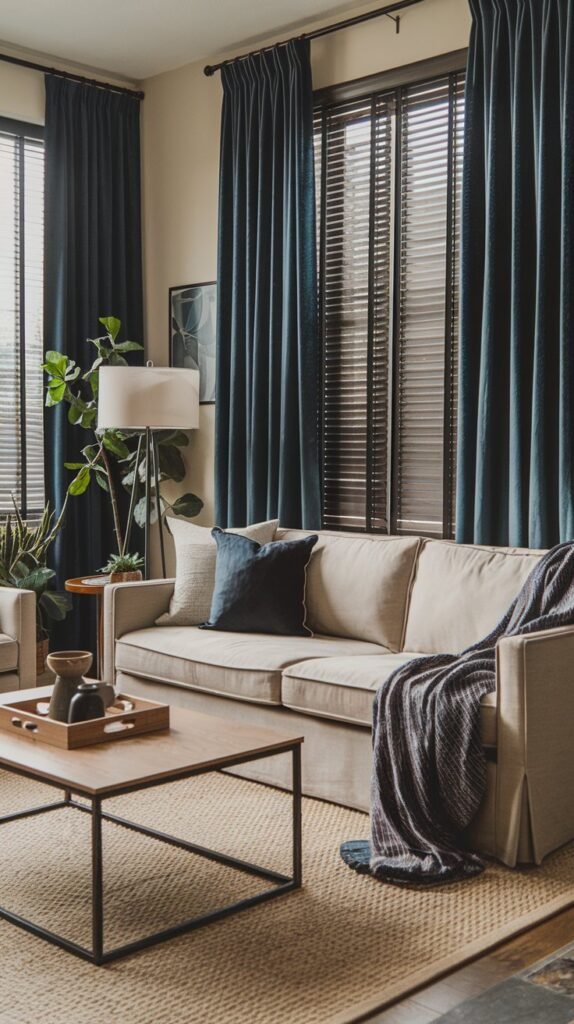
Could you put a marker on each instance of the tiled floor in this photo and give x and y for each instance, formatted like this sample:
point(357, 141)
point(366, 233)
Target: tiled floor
point(542, 994)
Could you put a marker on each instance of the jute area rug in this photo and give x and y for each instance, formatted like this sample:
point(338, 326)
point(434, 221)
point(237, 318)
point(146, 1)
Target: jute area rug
point(342, 945)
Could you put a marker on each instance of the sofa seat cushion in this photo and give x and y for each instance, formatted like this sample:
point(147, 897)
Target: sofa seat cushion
point(246, 666)
point(344, 688)
point(8, 653)
point(460, 592)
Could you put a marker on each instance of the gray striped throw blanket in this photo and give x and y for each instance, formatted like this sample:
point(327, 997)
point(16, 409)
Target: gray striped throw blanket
point(429, 772)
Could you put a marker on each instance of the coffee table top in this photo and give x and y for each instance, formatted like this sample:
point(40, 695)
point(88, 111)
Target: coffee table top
point(195, 743)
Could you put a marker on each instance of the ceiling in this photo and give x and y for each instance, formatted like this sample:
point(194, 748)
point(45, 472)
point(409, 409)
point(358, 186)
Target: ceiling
point(141, 38)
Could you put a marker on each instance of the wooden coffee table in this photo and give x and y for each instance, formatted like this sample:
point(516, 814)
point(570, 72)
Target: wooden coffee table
point(195, 744)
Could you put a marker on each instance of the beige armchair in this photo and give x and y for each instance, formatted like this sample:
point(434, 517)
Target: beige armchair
point(17, 639)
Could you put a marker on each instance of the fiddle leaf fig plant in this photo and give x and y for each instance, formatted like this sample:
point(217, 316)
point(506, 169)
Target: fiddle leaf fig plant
point(109, 458)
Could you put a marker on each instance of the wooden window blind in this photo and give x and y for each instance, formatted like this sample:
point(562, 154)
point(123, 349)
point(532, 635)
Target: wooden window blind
point(388, 184)
point(21, 302)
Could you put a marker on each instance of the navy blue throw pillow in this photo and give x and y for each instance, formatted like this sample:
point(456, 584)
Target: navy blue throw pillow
point(260, 588)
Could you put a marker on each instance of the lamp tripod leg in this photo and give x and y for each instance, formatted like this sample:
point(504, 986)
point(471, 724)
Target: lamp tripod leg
point(133, 497)
point(148, 458)
point(158, 503)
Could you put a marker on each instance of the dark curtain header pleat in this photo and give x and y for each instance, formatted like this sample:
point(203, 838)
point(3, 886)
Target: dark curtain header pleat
point(268, 353)
point(515, 473)
point(93, 268)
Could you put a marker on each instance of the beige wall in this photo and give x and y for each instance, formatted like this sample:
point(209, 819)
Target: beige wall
point(180, 165)
point(21, 94)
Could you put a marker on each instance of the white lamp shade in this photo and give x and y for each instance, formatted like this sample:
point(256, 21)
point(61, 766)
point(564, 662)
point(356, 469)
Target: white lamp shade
point(159, 397)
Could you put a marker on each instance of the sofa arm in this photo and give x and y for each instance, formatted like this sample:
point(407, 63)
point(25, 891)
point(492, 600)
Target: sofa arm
point(129, 606)
point(18, 620)
point(535, 752)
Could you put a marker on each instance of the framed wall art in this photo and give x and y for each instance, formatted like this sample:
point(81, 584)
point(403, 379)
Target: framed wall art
point(192, 311)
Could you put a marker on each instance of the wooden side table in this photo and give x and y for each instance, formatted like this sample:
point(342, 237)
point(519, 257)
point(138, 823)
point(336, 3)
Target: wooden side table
point(93, 586)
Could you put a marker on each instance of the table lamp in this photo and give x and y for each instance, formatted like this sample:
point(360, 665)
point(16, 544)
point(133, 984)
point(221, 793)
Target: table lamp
point(145, 399)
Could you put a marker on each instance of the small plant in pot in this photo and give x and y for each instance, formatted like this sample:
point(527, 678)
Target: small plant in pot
point(123, 568)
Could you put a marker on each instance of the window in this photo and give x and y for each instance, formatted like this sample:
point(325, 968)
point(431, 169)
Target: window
point(388, 170)
point(21, 300)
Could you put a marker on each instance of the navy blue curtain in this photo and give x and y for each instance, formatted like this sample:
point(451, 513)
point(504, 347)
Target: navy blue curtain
point(516, 429)
point(93, 268)
point(267, 434)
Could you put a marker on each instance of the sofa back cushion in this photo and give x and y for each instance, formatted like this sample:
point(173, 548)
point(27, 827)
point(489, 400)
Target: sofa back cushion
point(196, 556)
point(460, 592)
point(357, 586)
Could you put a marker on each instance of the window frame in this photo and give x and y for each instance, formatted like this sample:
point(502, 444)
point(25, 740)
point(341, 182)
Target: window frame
point(22, 131)
point(371, 88)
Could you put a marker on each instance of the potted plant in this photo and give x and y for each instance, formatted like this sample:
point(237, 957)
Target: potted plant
point(23, 549)
point(124, 568)
point(110, 458)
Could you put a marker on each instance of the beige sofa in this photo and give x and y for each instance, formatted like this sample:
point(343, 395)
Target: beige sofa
point(375, 602)
point(17, 639)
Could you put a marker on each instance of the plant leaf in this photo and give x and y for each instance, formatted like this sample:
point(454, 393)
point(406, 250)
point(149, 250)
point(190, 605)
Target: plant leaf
point(175, 437)
point(37, 580)
point(117, 360)
point(102, 480)
point(96, 363)
point(81, 482)
point(102, 345)
point(56, 605)
point(74, 413)
point(115, 445)
point(128, 346)
point(77, 401)
point(112, 325)
point(188, 505)
point(24, 564)
point(128, 479)
point(139, 512)
point(56, 363)
point(88, 418)
point(171, 464)
point(55, 392)
point(90, 452)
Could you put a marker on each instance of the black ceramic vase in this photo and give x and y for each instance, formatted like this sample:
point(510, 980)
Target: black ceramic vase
point(86, 703)
point(69, 667)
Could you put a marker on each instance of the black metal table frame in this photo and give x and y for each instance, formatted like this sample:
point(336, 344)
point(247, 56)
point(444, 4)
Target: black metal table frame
point(97, 954)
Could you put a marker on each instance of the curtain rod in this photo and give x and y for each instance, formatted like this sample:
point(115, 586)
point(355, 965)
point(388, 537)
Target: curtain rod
point(386, 12)
point(8, 59)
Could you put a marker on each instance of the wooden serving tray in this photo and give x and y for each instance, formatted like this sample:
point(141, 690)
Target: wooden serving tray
point(22, 718)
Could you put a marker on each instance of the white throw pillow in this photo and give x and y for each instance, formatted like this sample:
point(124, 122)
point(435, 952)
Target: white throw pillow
point(196, 553)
